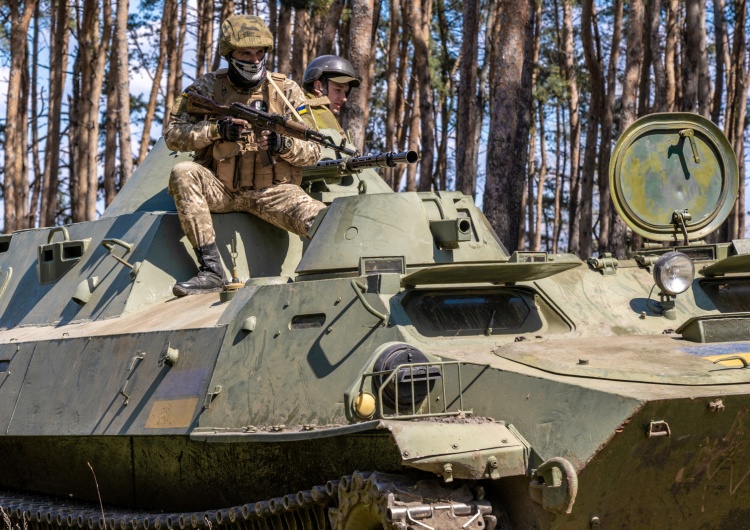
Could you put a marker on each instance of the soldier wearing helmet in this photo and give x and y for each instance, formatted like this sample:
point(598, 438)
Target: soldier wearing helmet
point(327, 82)
point(226, 174)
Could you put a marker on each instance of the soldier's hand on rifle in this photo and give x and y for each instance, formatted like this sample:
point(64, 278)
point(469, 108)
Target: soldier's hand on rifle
point(230, 129)
point(274, 142)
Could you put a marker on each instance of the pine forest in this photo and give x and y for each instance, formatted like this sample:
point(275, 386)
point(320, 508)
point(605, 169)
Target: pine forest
point(517, 103)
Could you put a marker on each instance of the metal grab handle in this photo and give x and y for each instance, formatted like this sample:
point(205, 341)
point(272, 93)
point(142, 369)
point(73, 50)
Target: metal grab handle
point(691, 136)
point(53, 231)
point(360, 288)
point(739, 358)
point(110, 244)
point(127, 379)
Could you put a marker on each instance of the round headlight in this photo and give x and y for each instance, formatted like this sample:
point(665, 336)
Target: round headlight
point(674, 273)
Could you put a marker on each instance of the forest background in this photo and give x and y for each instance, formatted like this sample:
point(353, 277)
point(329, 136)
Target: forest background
point(515, 102)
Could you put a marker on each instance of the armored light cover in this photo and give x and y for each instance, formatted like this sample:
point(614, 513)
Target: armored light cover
point(674, 273)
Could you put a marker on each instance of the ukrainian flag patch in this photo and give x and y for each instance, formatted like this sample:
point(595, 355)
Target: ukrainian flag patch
point(302, 109)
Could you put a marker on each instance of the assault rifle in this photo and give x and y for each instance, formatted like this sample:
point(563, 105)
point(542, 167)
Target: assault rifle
point(260, 121)
point(346, 166)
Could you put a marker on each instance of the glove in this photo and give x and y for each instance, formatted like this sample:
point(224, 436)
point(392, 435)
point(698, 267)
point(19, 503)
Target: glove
point(229, 129)
point(278, 143)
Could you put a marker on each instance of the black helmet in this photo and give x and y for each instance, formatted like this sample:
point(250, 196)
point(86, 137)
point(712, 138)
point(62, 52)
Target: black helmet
point(330, 68)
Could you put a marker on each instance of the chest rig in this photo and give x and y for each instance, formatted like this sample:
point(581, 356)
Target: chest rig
point(237, 164)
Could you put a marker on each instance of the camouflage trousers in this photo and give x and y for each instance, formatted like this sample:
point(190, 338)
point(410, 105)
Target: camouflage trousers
point(198, 192)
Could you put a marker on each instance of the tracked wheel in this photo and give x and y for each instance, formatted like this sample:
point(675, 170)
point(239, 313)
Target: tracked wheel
point(376, 501)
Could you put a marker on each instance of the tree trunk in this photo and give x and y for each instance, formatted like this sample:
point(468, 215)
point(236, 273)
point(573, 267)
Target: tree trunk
point(392, 90)
point(120, 59)
point(360, 39)
point(575, 126)
point(660, 79)
point(605, 150)
point(92, 52)
point(510, 98)
point(161, 61)
point(328, 36)
point(411, 170)
point(670, 54)
point(110, 135)
point(466, 119)
point(35, 98)
point(299, 55)
point(596, 82)
point(59, 29)
point(633, 60)
point(537, 246)
point(284, 40)
point(722, 59)
point(173, 83)
point(227, 10)
point(695, 90)
point(14, 168)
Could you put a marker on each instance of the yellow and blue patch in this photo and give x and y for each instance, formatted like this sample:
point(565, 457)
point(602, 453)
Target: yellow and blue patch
point(302, 109)
point(721, 352)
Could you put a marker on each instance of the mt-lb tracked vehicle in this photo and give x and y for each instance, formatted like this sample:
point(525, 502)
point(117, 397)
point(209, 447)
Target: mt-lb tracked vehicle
point(399, 370)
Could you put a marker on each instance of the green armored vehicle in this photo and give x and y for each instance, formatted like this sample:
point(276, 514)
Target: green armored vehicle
point(400, 370)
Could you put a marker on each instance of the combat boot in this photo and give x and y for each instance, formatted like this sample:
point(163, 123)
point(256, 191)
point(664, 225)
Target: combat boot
point(211, 277)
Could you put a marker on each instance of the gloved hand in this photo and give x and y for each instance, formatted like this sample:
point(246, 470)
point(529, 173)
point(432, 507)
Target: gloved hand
point(230, 129)
point(275, 142)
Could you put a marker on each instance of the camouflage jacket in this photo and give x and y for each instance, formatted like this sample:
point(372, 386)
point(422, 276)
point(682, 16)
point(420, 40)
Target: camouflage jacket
point(189, 132)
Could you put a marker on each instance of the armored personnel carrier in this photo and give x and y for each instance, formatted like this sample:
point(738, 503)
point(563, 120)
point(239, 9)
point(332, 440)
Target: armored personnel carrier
point(400, 370)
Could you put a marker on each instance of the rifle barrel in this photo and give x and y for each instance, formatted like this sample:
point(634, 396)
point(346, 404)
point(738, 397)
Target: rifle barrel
point(389, 159)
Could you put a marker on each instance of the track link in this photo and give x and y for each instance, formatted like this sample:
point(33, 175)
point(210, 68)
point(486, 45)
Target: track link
point(359, 501)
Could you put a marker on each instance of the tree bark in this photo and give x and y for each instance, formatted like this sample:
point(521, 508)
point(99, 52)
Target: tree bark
point(161, 61)
point(670, 55)
point(660, 79)
point(722, 59)
point(510, 98)
point(695, 89)
point(596, 82)
point(575, 126)
point(92, 52)
point(466, 119)
point(284, 39)
point(299, 55)
point(59, 29)
point(328, 36)
point(392, 90)
point(360, 39)
point(605, 151)
point(14, 168)
point(633, 61)
point(120, 60)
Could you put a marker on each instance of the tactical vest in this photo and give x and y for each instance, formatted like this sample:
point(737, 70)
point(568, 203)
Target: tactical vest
point(319, 116)
point(237, 164)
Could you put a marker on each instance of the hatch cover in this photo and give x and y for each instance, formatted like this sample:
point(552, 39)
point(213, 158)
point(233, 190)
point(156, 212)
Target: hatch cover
point(673, 162)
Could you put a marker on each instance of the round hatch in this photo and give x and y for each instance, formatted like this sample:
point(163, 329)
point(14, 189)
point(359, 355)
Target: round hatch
point(670, 170)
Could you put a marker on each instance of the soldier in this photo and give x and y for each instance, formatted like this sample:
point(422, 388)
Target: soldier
point(227, 174)
point(327, 81)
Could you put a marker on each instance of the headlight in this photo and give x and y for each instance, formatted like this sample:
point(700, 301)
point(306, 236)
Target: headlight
point(674, 273)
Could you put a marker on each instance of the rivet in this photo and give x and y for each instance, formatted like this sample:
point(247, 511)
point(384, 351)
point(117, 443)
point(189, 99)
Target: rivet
point(330, 328)
point(405, 454)
point(454, 446)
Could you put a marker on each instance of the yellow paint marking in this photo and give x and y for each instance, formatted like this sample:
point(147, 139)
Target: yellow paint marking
point(733, 363)
point(171, 413)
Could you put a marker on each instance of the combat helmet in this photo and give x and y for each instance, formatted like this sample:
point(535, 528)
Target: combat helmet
point(244, 31)
point(330, 67)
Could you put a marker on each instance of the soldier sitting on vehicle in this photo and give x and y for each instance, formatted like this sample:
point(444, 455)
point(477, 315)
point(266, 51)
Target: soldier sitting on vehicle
point(327, 81)
point(227, 174)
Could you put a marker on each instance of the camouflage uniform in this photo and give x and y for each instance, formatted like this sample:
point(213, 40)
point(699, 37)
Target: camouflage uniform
point(318, 115)
point(242, 184)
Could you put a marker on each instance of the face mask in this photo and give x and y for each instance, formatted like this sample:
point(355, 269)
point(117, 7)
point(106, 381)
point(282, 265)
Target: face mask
point(252, 73)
